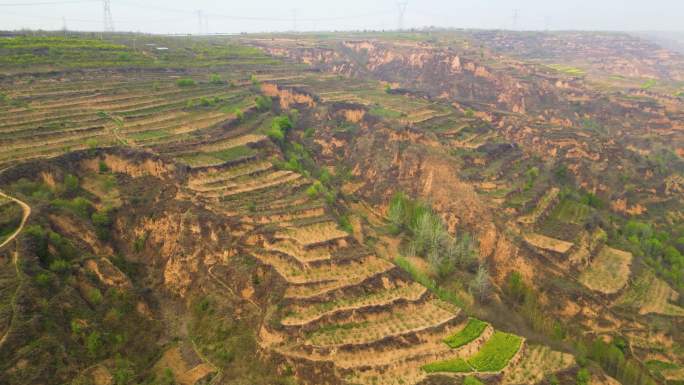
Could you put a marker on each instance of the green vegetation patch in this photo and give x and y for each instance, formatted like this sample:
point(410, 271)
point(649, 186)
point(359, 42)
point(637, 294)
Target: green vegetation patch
point(571, 212)
point(10, 218)
point(385, 113)
point(568, 70)
point(456, 365)
point(496, 352)
point(218, 157)
point(648, 84)
point(234, 153)
point(469, 333)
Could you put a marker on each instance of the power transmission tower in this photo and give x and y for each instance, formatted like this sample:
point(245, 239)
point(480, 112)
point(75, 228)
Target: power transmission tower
point(64, 25)
point(108, 20)
point(200, 24)
point(515, 18)
point(402, 11)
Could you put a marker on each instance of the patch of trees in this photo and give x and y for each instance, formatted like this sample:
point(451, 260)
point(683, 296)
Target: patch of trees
point(661, 250)
point(612, 358)
point(263, 103)
point(525, 300)
point(428, 236)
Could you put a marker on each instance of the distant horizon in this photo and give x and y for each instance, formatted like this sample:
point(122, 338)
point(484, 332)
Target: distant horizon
point(284, 32)
point(205, 17)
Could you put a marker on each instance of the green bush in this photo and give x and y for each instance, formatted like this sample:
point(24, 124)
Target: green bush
point(239, 115)
point(216, 79)
point(102, 222)
point(60, 266)
point(70, 183)
point(315, 190)
point(583, 377)
point(94, 344)
point(102, 166)
point(280, 126)
point(79, 206)
point(185, 82)
point(94, 296)
point(43, 279)
point(472, 381)
point(263, 103)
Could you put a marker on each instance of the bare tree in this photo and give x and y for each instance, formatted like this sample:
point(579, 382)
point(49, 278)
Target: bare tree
point(480, 286)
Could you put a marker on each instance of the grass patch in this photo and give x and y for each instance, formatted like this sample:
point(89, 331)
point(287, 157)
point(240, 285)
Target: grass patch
point(469, 333)
point(571, 212)
point(233, 153)
point(568, 70)
point(385, 113)
point(217, 157)
point(426, 281)
point(148, 135)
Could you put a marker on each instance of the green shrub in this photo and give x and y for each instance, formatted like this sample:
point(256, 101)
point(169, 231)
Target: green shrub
point(79, 206)
point(216, 79)
point(315, 190)
point(102, 222)
point(102, 166)
point(43, 279)
point(94, 296)
point(263, 103)
point(239, 115)
point(583, 377)
point(60, 266)
point(139, 243)
point(472, 381)
point(280, 126)
point(185, 82)
point(71, 183)
point(94, 344)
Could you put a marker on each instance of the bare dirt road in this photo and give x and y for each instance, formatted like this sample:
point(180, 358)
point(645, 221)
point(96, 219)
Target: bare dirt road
point(26, 212)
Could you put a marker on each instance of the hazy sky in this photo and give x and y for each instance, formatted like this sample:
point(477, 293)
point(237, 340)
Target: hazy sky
point(180, 16)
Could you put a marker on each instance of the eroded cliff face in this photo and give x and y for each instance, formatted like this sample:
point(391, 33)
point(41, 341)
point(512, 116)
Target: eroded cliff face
point(544, 112)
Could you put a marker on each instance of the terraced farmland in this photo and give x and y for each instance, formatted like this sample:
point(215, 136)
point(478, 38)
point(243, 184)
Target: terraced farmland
point(243, 208)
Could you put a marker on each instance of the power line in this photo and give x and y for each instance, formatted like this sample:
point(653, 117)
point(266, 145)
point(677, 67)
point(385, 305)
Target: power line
point(46, 3)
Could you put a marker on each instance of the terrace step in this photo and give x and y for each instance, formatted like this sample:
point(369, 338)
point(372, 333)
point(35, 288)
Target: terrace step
point(373, 329)
point(331, 273)
point(305, 315)
point(313, 234)
point(265, 181)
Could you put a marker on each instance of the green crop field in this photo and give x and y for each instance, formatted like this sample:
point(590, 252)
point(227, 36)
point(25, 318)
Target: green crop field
point(470, 332)
point(496, 352)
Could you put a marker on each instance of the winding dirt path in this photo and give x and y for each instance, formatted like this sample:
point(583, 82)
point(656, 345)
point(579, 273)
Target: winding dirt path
point(26, 212)
point(15, 257)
